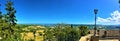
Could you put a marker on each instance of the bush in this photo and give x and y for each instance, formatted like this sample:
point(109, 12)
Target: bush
point(65, 33)
point(84, 30)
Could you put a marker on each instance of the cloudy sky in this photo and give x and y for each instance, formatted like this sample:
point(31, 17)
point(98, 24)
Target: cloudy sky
point(114, 18)
point(66, 11)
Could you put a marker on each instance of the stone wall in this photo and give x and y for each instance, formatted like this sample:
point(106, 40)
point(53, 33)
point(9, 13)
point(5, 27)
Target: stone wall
point(108, 32)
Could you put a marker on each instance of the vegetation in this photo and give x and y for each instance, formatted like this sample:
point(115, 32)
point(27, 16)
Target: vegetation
point(84, 30)
point(8, 29)
point(65, 33)
point(11, 31)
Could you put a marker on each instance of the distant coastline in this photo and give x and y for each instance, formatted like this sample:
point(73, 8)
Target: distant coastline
point(90, 26)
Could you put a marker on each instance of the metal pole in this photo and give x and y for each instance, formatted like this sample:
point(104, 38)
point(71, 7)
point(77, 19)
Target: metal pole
point(95, 11)
point(95, 26)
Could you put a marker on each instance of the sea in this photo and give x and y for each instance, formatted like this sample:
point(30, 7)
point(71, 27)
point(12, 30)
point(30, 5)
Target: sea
point(90, 26)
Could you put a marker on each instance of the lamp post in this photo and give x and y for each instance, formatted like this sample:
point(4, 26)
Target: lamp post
point(95, 12)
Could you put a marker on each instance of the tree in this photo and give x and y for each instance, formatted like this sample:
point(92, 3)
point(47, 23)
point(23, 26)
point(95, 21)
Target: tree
point(72, 34)
point(11, 13)
point(0, 17)
point(84, 30)
point(9, 22)
point(8, 29)
point(63, 32)
point(0, 22)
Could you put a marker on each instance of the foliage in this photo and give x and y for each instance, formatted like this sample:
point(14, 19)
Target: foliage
point(63, 32)
point(83, 30)
point(9, 30)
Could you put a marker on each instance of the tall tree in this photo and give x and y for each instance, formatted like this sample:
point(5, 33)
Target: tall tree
point(11, 13)
point(0, 16)
point(0, 22)
point(9, 21)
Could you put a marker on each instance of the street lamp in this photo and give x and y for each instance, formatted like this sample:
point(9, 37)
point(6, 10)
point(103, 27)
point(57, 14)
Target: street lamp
point(95, 12)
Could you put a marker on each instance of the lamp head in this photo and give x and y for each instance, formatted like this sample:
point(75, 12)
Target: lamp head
point(95, 11)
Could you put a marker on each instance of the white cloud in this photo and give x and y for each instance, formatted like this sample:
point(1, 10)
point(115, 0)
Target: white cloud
point(113, 19)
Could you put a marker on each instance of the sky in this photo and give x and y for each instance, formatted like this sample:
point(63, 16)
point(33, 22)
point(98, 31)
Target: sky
point(65, 11)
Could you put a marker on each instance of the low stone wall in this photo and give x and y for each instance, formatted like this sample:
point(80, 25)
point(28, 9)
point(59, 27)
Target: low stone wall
point(110, 40)
point(101, 33)
point(108, 32)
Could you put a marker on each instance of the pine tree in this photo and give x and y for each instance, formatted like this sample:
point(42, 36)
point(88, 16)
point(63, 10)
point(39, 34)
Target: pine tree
point(11, 13)
point(0, 16)
point(8, 31)
point(0, 22)
point(9, 21)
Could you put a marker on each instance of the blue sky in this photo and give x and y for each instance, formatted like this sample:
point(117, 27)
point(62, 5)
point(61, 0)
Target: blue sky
point(62, 11)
